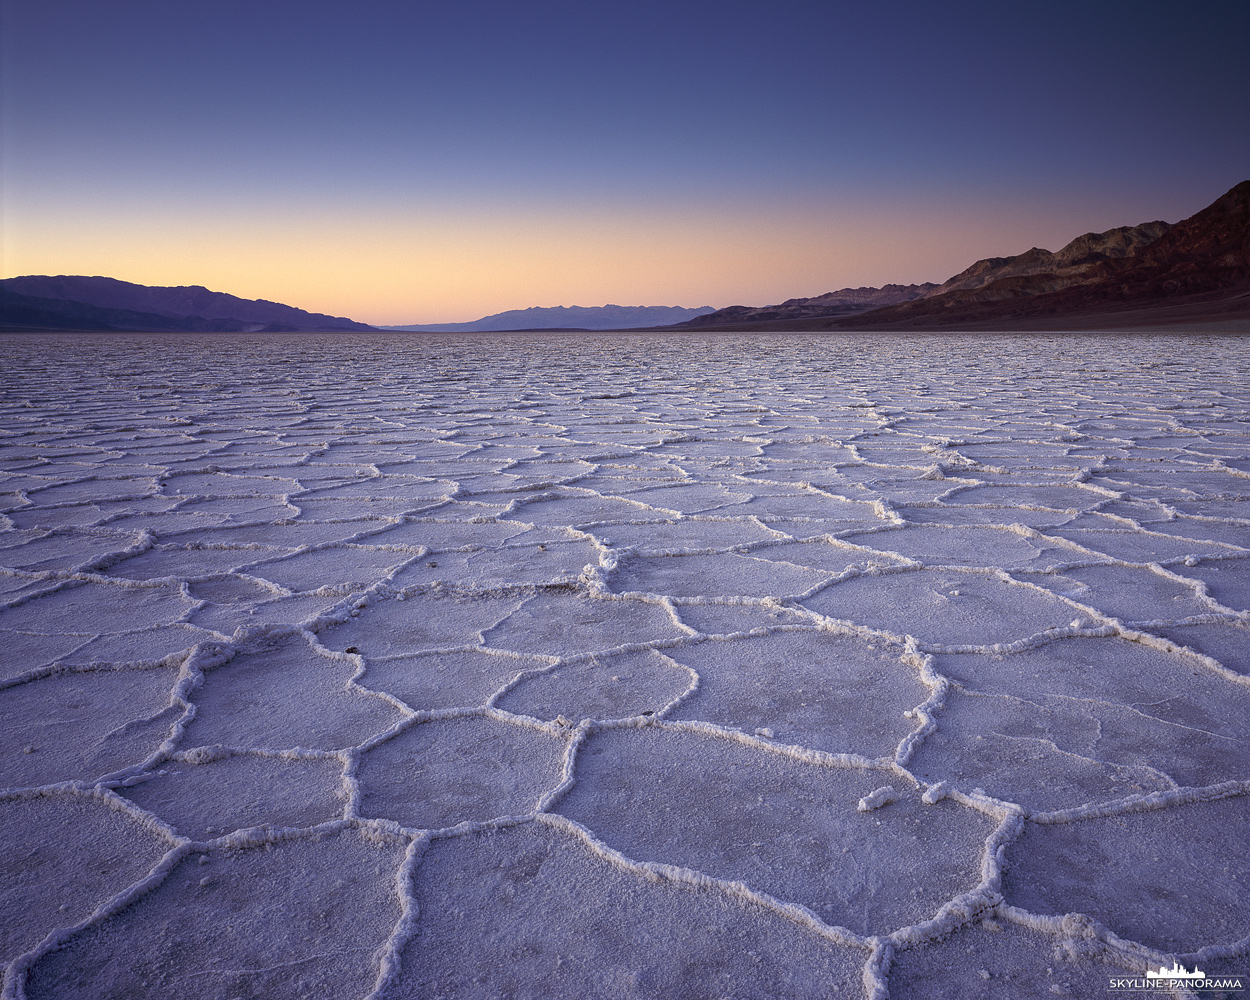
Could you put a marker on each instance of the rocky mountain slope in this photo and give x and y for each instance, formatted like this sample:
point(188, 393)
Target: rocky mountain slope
point(1068, 266)
point(1197, 271)
point(1201, 265)
point(843, 302)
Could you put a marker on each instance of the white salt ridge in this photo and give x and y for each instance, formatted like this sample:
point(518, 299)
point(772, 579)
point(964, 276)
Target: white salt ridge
point(868, 668)
point(877, 798)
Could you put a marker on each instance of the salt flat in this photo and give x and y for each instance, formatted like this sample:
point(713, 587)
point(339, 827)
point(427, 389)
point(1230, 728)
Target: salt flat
point(622, 666)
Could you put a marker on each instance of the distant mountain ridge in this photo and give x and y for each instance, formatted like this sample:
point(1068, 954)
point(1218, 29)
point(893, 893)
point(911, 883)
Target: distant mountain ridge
point(609, 317)
point(840, 303)
point(76, 302)
point(98, 303)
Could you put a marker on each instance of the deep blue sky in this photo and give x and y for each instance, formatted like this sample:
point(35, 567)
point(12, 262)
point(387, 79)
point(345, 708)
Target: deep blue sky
point(413, 162)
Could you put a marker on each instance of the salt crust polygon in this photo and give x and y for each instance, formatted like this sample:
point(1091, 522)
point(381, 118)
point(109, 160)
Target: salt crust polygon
point(447, 771)
point(203, 796)
point(531, 911)
point(788, 828)
point(601, 687)
point(221, 919)
point(284, 697)
point(119, 718)
point(98, 851)
point(816, 689)
point(1174, 879)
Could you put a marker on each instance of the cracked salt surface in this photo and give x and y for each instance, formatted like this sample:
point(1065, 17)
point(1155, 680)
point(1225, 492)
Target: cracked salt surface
point(622, 667)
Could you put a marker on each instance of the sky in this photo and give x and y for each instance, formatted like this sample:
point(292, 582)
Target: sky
point(403, 161)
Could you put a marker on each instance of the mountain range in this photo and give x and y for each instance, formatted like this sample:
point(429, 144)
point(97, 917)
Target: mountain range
point(70, 302)
point(1194, 272)
point(609, 317)
point(73, 302)
point(1197, 271)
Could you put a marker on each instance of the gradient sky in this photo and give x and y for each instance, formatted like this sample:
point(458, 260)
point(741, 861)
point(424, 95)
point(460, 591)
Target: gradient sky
point(409, 162)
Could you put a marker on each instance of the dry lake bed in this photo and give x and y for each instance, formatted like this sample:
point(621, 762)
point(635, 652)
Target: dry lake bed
point(607, 666)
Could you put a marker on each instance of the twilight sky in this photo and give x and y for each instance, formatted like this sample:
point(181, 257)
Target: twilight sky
point(404, 161)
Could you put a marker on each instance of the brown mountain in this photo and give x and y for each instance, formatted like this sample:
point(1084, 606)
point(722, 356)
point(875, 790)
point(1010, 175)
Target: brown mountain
point(1069, 266)
point(843, 302)
point(1197, 270)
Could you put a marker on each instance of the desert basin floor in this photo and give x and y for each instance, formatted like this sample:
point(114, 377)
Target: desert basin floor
point(611, 666)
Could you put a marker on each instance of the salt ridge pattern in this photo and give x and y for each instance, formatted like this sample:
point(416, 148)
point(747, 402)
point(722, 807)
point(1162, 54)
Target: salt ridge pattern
point(622, 666)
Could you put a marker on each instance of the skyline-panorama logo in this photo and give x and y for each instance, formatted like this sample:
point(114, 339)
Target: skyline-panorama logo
point(1177, 977)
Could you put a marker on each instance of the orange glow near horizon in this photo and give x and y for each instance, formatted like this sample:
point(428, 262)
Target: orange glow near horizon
point(400, 266)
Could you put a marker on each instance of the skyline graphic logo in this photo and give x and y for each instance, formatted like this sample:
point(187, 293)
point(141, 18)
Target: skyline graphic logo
point(1176, 972)
point(1177, 977)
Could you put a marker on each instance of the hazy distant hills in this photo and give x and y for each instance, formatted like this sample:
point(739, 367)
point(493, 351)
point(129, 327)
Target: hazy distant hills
point(68, 302)
point(1197, 271)
point(609, 317)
